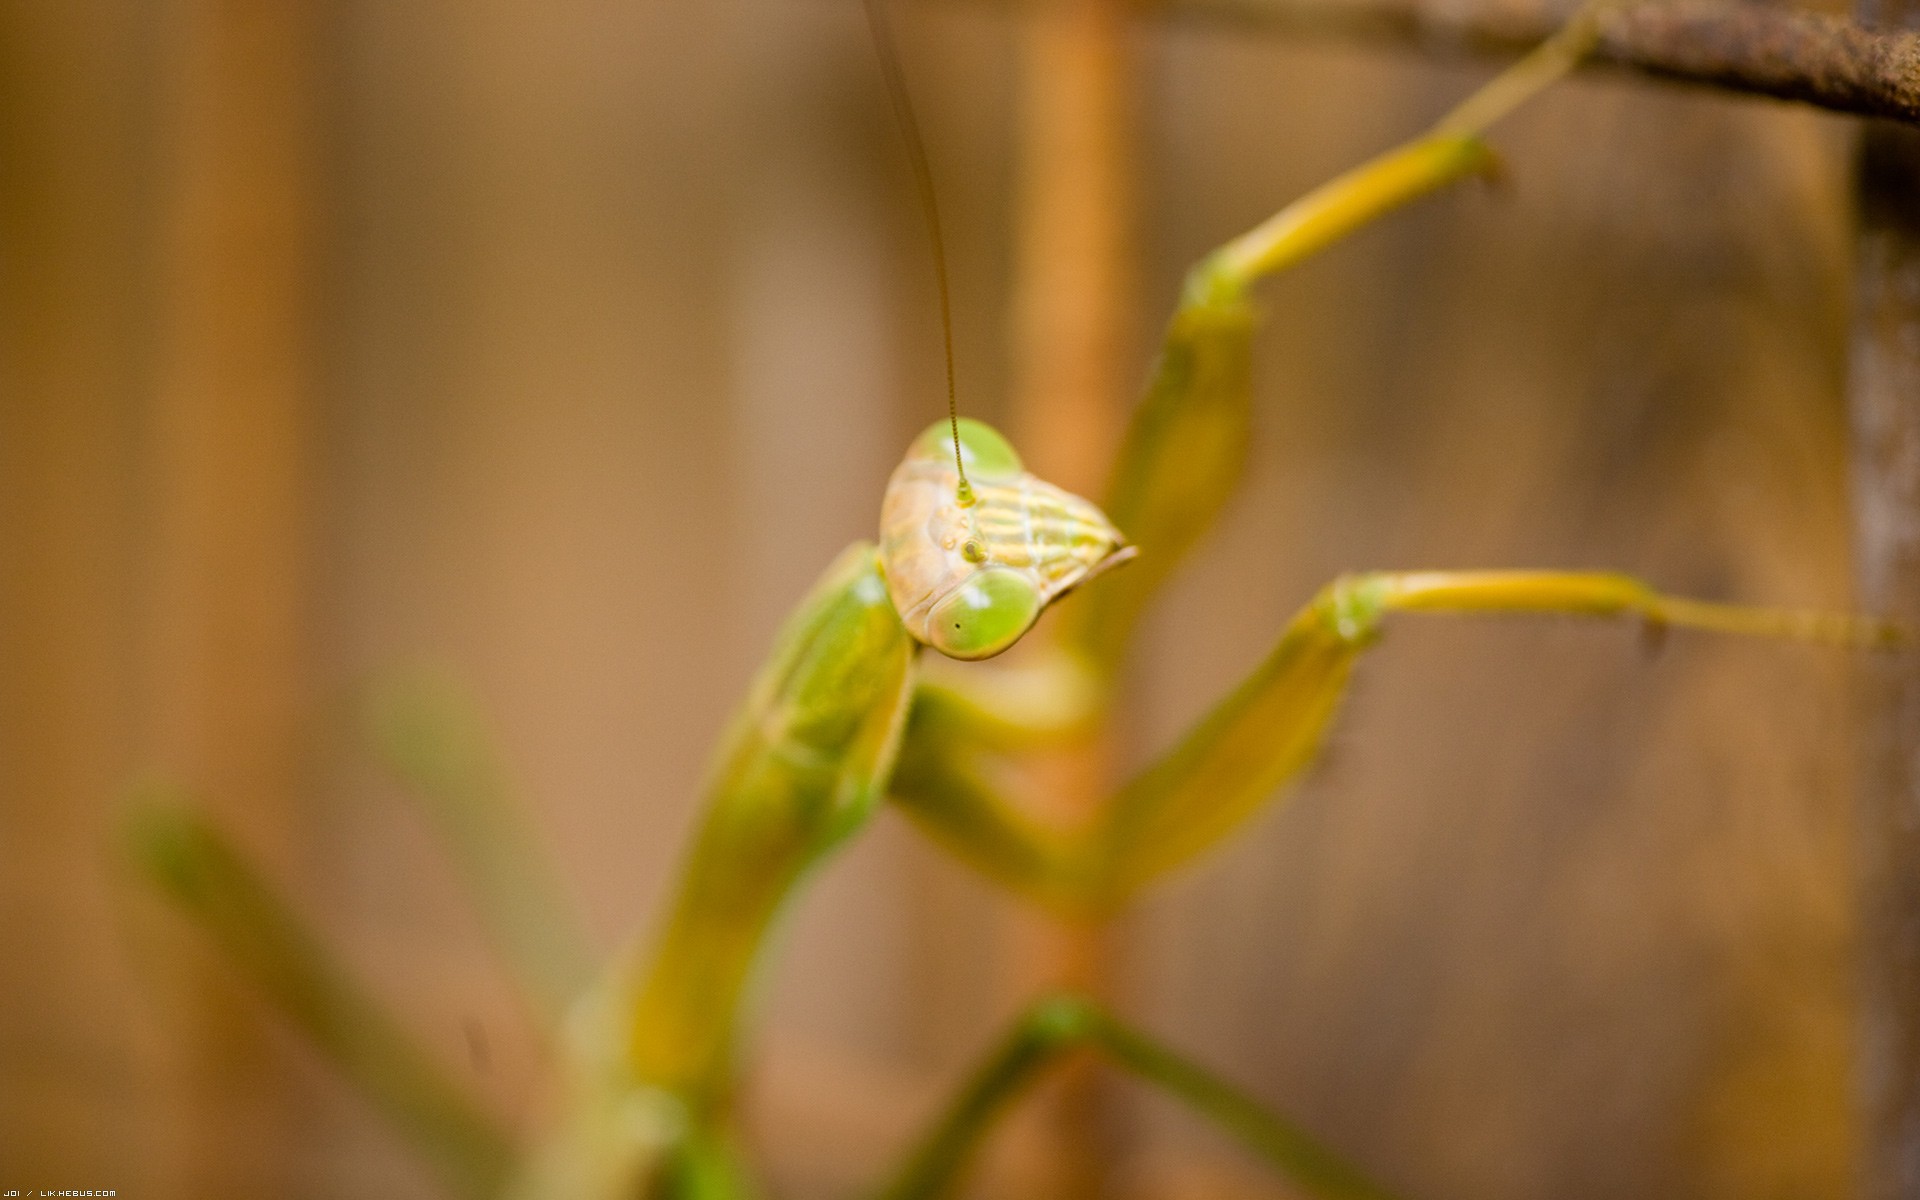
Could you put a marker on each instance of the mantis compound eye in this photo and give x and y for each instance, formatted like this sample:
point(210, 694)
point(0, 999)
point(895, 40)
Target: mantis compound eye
point(985, 615)
point(988, 455)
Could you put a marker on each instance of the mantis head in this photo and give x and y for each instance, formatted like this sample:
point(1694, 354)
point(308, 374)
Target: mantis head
point(969, 579)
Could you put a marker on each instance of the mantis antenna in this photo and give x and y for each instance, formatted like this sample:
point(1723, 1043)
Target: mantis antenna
point(923, 178)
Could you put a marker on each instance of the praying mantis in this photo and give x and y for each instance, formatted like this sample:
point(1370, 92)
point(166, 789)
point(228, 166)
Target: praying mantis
point(972, 551)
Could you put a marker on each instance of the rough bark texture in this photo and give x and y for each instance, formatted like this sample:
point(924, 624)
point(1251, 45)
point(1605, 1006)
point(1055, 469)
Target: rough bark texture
point(1826, 61)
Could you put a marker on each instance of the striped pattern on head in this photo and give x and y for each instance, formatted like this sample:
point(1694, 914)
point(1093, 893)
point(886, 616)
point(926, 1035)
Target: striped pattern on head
point(969, 580)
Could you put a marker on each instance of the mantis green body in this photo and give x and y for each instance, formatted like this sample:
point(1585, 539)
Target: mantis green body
point(970, 554)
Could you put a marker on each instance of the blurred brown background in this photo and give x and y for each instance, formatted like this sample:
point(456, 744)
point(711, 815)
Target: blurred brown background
point(565, 343)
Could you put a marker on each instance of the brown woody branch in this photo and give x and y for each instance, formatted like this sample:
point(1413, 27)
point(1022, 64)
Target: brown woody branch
point(1831, 62)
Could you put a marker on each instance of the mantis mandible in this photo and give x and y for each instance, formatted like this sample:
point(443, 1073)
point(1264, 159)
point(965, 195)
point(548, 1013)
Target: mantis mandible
point(972, 551)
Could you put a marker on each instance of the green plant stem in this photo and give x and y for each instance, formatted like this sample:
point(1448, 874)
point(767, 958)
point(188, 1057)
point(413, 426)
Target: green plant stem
point(190, 861)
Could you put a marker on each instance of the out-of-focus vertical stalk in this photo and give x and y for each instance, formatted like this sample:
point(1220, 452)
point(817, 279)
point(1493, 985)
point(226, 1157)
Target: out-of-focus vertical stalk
point(1073, 316)
point(225, 457)
point(1884, 399)
point(1076, 287)
point(71, 224)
